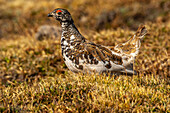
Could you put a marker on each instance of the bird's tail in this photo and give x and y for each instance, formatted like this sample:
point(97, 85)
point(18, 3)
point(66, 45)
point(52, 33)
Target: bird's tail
point(131, 47)
point(141, 32)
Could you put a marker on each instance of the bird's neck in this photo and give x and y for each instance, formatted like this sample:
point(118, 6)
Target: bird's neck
point(65, 24)
point(69, 29)
point(70, 36)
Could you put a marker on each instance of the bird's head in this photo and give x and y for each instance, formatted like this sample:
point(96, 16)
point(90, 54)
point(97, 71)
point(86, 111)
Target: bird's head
point(61, 15)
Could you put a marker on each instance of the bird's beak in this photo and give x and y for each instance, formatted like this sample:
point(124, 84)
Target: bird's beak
point(50, 15)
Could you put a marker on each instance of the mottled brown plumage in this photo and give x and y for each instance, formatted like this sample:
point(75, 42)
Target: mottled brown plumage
point(81, 55)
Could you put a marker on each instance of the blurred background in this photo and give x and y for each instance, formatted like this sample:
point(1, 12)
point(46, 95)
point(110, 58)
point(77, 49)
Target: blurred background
point(24, 25)
point(21, 17)
point(34, 77)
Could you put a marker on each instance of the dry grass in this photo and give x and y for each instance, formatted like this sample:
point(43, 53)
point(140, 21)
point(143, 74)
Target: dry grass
point(90, 93)
point(34, 78)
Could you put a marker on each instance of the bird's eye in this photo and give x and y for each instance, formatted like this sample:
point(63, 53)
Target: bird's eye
point(58, 11)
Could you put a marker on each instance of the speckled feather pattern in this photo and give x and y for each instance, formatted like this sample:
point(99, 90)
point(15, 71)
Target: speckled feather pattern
point(81, 55)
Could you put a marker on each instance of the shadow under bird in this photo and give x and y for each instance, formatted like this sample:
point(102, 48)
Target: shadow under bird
point(81, 55)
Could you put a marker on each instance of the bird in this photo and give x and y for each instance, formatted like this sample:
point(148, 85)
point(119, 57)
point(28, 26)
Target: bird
point(82, 55)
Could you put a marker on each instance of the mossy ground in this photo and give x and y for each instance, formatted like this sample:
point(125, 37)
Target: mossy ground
point(34, 78)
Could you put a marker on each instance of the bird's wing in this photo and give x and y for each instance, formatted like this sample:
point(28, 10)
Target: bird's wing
point(100, 53)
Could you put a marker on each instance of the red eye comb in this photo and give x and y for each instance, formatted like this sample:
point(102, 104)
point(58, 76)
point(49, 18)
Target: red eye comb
point(58, 11)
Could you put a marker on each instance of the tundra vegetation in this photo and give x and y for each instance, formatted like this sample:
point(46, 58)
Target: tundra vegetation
point(34, 78)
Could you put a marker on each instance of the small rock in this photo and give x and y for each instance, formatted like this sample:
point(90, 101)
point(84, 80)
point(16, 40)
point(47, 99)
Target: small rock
point(48, 32)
